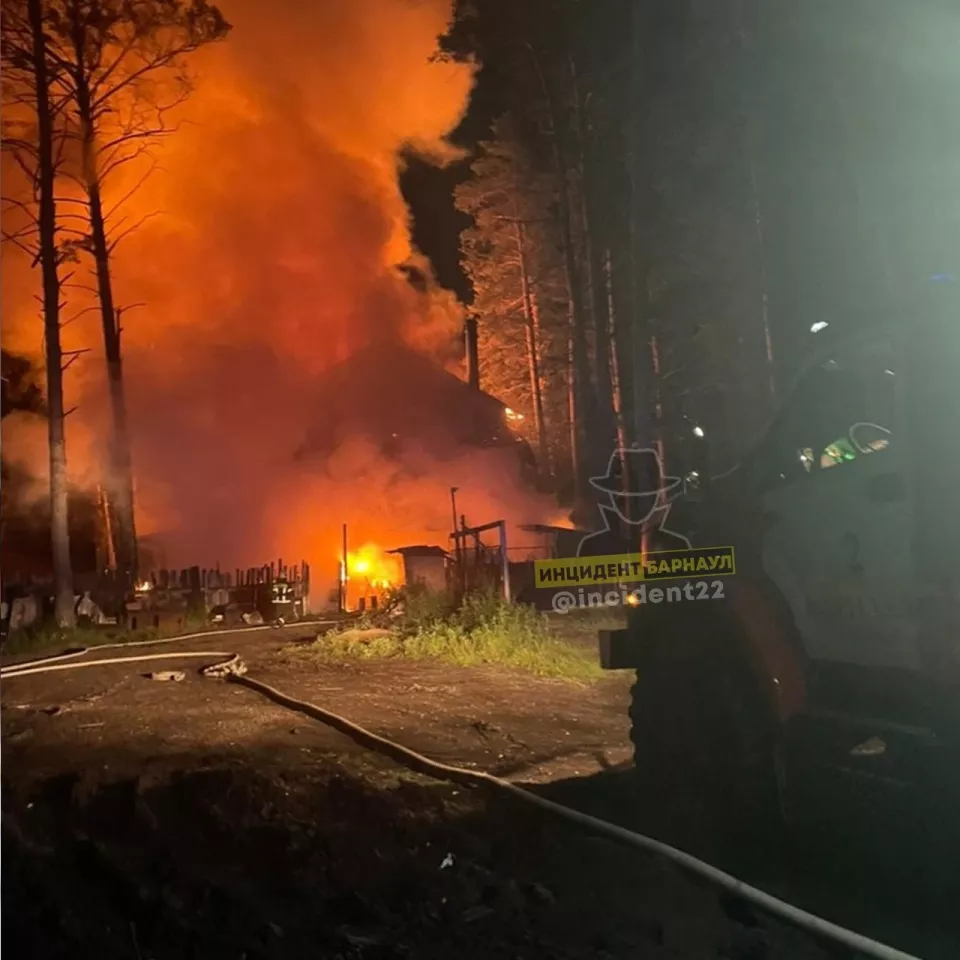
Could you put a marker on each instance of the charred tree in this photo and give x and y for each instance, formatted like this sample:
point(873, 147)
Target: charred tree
point(107, 54)
point(24, 50)
point(119, 474)
point(47, 227)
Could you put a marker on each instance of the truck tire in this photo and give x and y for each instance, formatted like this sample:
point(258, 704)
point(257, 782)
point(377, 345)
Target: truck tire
point(703, 742)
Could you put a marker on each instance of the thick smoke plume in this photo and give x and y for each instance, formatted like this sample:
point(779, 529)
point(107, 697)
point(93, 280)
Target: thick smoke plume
point(274, 226)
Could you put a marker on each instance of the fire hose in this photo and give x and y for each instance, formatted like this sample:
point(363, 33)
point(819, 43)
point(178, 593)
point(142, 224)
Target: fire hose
point(229, 666)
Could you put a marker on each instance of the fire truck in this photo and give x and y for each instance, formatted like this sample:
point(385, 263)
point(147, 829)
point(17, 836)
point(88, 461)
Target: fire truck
point(828, 672)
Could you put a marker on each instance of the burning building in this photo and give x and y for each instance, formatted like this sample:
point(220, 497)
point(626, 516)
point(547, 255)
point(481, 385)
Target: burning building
point(397, 398)
point(419, 430)
point(284, 376)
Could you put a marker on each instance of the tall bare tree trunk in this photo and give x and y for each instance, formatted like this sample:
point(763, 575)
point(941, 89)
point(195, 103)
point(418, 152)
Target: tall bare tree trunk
point(596, 303)
point(64, 609)
point(616, 396)
point(579, 398)
point(541, 384)
point(108, 557)
point(119, 480)
point(572, 412)
point(533, 347)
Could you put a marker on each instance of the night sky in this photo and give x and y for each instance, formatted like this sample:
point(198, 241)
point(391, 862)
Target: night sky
point(429, 190)
point(436, 222)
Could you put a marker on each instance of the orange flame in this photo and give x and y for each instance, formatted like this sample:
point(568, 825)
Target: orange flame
point(372, 567)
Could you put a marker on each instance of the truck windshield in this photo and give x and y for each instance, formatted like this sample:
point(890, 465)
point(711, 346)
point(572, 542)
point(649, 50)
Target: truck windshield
point(841, 411)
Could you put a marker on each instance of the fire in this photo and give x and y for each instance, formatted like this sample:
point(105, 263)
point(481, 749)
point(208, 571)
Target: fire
point(373, 567)
point(561, 518)
point(303, 114)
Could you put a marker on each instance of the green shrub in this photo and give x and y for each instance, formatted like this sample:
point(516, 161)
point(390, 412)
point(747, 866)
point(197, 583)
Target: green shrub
point(483, 630)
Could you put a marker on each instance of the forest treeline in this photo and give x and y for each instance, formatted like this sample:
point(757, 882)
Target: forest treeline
point(673, 192)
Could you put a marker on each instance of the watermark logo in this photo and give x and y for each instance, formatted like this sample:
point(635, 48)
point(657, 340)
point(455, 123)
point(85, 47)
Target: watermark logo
point(639, 495)
point(566, 601)
point(634, 567)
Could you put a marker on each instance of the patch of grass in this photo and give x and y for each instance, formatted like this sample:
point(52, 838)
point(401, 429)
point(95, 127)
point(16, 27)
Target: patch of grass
point(484, 630)
point(366, 644)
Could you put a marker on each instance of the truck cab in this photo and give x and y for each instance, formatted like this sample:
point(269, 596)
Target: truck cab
point(832, 656)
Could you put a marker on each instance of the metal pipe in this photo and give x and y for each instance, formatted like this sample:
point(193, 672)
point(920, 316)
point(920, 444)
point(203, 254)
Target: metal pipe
point(472, 352)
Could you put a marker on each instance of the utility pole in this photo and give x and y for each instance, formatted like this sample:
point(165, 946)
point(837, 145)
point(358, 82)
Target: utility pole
point(504, 561)
point(456, 538)
point(453, 507)
point(344, 573)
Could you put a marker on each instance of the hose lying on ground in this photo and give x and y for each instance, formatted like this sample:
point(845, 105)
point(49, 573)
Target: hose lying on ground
point(230, 666)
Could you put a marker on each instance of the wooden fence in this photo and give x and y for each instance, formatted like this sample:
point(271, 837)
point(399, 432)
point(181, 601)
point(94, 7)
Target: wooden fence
point(168, 597)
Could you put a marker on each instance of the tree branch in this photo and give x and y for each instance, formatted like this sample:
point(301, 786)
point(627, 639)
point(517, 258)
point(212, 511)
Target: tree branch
point(158, 62)
point(130, 229)
point(107, 169)
point(72, 356)
point(20, 205)
point(32, 252)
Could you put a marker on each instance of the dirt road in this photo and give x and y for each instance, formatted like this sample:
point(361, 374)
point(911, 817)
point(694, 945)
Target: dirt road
point(147, 819)
point(502, 721)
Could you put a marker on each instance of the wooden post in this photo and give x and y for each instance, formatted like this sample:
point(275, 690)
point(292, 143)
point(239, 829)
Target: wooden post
point(344, 573)
point(504, 560)
point(456, 539)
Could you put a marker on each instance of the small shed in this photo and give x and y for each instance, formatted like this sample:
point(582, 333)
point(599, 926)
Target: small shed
point(550, 542)
point(424, 565)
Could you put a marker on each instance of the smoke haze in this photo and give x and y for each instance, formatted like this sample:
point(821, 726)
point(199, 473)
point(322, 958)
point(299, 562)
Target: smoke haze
point(274, 221)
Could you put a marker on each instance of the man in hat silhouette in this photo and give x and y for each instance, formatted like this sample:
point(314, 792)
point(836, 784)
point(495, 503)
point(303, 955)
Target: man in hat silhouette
point(638, 493)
